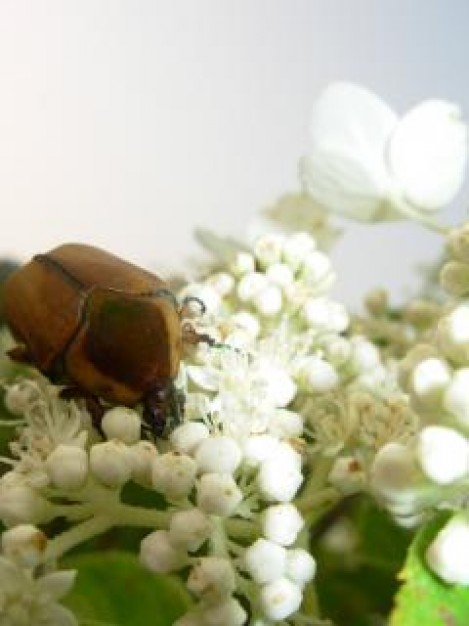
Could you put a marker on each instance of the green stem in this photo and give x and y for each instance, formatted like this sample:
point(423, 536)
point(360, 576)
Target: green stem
point(78, 534)
point(242, 529)
point(320, 470)
point(326, 496)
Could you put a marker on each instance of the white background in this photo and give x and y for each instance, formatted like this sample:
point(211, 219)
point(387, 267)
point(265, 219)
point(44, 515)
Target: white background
point(127, 123)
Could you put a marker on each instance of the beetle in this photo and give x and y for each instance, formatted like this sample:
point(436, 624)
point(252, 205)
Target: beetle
point(100, 325)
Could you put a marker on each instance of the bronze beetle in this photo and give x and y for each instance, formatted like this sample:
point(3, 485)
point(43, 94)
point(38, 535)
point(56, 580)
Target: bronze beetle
point(102, 325)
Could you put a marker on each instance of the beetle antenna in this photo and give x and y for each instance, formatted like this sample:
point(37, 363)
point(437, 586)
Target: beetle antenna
point(187, 301)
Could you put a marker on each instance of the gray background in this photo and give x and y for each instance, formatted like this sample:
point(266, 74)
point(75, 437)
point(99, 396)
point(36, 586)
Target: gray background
point(127, 123)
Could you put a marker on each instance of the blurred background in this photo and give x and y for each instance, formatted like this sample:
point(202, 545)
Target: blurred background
point(126, 123)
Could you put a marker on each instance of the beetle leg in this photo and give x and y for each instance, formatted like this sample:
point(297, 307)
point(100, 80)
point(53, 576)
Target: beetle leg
point(191, 336)
point(20, 354)
point(184, 309)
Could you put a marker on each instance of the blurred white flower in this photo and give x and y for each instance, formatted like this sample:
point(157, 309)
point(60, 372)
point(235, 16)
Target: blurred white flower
point(367, 164)
point(26, 600)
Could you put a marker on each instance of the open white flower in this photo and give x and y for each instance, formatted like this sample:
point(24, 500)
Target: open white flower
point(26, 600)
point(367, 164)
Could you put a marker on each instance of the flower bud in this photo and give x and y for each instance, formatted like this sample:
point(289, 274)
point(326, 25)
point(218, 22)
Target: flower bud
point(229, 612)
point(448, 554)
point(122, 424)
point(443, 454)
point(279, 387)
point(430, 379)
point(456, 398)
point(316, 375)
point(186, 437)
point(285, 424)
point(454, 277)
point(281, 523)
point(20, 395)
point(348, 475)
point(158, 554)
point(268, 301)
point(173, 475)
point(301, 566)
point(325, 316)
point(316, 270)
point(296, 248)
point(24, 544)
point(257, 448)
point(111, 463)
point(279, 478)
point(243, 263)
point(280, 599)
point(453, 334)
point(268, 248)
point(20, 503)
point(67, 467)
point(280, 274)
point(246, 321)
point(250, 285)
point(265, 561)
point(218, 494)
point(212, 578)
point(189, 529)
point(394, 473)
point(458, 243)
point(218, 453)
point(141, 456)
point(365, 355)
point(222, 282)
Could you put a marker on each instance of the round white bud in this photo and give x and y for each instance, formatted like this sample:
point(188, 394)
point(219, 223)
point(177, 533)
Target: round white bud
point(268, 301)
point(243, 263)
point(324, 315)
point(186, 437)
point(348, 475)
point(173, 475)
point(296, 248)
point(189, 529)
point(365, 355)
point(159, 555)
point(246, 321)
point(456, 398)
point(316, 269)
point(448, 554)
point(250, 285)
point(265, 560)
point(24, 544)
point(301, 566)
point(316, 375)
point(394, 471)
point(279, 478)
point(212, 578)
point(257, 448)
point(218, 453)
point(429, 380)
point(337, 350)
point(141, 456)
point(122, 424)
point(20, 503)
point(268, 248)
point(228, 612)
point(218, 494)
point(279, 387)
point(222, 282)
point(280, 599)
point(443, 454)
point(282, 523)
point(280, 274)
point(453, 334)
point(67, 467)
point(111, 463)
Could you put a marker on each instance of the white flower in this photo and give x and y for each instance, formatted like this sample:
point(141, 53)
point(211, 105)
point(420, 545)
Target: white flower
point(268, 248)
point(141, 456)
point(429, 379)
point(279, 476)
point(453, 334)
point(218, 454)
point(26, 600)
point(20, 502)
point(186, 437)
point(366, 164)
point(456, 397)
point(25, 544)
point(173, 474)
point(443, 454)
point(189, 528)
point(213, 578)
point(301, 566)
point(229, 612)
point(218, 494)
point(448, 554)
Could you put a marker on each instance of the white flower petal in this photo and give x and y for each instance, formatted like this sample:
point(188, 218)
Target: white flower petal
point(428, 152)
point(207, 378)
point(56, 615)
point(345, 169)
point(57, 584)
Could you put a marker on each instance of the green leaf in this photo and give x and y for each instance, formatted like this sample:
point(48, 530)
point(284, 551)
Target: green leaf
point(112, 588)
point(423, 599)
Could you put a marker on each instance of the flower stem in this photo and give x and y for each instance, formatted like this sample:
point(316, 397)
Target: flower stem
point(76, 535)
